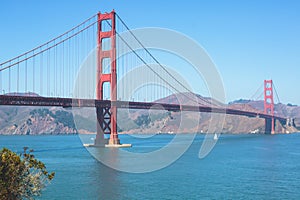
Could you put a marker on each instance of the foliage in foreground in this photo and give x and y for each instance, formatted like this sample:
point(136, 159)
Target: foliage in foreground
point(21, 176)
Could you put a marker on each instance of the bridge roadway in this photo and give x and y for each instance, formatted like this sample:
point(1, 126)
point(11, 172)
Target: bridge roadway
point(73, 102)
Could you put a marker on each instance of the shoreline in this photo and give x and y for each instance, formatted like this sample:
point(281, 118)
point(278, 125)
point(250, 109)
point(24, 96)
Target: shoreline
point(72, 134)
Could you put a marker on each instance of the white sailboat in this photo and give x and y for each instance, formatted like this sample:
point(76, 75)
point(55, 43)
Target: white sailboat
point(215, 136)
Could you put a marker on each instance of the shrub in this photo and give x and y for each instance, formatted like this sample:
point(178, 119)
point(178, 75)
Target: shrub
point(21, 176)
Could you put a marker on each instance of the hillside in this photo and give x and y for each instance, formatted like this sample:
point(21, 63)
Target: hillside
point(35, 121)
point(169, 122)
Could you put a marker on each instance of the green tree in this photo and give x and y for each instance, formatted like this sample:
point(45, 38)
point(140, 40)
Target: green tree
point(21, 176)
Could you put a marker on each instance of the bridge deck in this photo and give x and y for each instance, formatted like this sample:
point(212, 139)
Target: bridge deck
point(71, 102)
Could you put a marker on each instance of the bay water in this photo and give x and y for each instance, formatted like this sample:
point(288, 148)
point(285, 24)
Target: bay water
point(247, 166)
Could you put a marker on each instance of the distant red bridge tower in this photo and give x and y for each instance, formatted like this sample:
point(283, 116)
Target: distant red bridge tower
point(269, 106)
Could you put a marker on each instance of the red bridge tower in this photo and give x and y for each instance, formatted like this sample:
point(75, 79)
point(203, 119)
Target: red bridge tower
point(269, 106)
point(106, 57)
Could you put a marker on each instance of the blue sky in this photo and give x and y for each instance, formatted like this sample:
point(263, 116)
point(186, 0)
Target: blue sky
point(249, 41)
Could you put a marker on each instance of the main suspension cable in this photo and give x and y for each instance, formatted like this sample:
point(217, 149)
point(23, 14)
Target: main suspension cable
point(157, 63)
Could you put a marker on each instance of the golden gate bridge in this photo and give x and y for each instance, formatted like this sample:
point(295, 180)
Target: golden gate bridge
point(51, 73)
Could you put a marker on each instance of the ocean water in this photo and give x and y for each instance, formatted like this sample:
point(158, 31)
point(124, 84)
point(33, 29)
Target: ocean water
point(239, 167)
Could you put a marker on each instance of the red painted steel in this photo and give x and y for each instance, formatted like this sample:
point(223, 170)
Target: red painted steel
point(110, 77)
point(269, 102)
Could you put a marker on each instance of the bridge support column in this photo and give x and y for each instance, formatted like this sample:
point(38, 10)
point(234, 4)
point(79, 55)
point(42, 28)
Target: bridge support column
point(270, 126)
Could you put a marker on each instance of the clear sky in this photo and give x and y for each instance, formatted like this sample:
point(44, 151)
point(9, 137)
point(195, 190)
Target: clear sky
point(249, 41)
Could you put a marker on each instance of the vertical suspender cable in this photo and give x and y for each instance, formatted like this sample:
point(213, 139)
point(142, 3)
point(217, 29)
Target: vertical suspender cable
point(69, 68)
point(277, 96)
point(47, 74)
point(73, 65)
point(33, 75)
point(86, 64)
point(1, 81)
point(9, 79)
point(26, 75)
point(41, 74)
point(63, 69)
point(55, 71)
point(94, 68)
point(77, 66)
point(18, 76)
